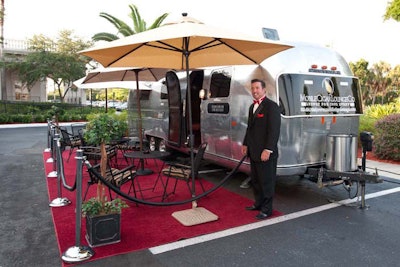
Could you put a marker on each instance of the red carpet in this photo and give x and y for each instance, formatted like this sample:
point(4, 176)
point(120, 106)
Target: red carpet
point(146, 226)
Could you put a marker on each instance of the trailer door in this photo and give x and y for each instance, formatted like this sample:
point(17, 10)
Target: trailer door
point(175, 109)
point(216, 110)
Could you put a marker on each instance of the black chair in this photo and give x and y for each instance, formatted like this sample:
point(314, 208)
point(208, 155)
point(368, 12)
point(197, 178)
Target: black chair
point(114, 176)
point(183, 172)
point(93, 154)
point(69, 140)
point(77, 128)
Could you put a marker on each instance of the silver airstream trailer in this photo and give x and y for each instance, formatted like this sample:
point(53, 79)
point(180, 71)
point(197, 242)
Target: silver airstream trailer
point(320, 107)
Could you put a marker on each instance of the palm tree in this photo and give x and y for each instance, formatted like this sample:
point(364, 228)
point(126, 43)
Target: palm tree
point(139, 25)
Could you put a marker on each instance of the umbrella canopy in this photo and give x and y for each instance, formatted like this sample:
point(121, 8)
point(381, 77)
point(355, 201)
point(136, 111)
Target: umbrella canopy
point(167, 47)
point(177, 44)
point(118, 77)
point(123, 74)
point(102, 85)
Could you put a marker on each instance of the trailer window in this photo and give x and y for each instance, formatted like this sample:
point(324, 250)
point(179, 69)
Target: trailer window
point(220, 84)
point(315, 95)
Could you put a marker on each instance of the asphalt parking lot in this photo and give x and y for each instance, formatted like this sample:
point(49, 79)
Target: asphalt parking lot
point(320, 227)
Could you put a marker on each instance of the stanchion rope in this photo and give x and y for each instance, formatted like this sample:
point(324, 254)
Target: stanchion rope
point(140, 201)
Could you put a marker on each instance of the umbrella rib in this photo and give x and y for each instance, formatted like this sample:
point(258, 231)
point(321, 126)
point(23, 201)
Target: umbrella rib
point(125, 54)
point(238, 51)
point(152, 73)
point(167, 46)
point(87, 79)
point(212, 44)
point(123, 75)
point(207, 45)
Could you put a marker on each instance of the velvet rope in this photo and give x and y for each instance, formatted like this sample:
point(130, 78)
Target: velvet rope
point(140, 201)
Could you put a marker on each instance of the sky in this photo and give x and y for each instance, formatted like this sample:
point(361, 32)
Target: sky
point(354, 28)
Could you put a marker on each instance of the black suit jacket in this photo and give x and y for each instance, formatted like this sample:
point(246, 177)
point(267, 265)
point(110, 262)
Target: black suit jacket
point(263, 129)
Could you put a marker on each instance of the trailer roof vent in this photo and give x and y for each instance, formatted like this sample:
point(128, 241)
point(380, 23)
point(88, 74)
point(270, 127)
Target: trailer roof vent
point(271, 34)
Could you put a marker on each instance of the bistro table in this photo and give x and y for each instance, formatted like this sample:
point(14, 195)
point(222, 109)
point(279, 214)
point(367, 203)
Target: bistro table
point(142, 155)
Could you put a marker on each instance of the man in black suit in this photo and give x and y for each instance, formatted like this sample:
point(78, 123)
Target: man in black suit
point(260, 144)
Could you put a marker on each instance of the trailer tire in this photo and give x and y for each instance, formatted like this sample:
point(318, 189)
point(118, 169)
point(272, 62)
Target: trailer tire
point(157, 144)
point(153, 143)
point(162, 145)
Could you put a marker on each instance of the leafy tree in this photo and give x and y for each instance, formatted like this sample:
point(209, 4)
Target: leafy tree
point(57, 60)
point(123, 29)
point(41, 42)
point(1, 21)
point(392, 10)
point(360, 70)
point(394, 89)
point(379, 80)
point(115, 94)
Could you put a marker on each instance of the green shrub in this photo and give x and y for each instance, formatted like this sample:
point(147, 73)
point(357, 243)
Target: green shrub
point(20, 118)
point(39, 118)
point(380, 111)
point(367, 123)
point(387, 141)
point(4, 118)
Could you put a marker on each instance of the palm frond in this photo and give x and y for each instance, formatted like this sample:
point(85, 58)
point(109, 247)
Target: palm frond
point(126, 31)
point(138, 23)
point(158, 21)
point(104, 36)
point(118, 24)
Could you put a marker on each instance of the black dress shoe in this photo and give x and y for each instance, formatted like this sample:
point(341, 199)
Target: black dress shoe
point(252, 207)
point(262, 216)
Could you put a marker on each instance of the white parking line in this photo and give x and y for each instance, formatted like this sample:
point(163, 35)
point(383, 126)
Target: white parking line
point(248, 227)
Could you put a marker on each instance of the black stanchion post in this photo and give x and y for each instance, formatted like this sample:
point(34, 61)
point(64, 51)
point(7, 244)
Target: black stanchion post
point(50, 140)
point(59, 201)
point(78, 253)
point(48, 149)
point(53, 174)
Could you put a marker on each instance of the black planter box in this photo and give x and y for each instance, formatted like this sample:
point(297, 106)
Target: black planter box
point(103, 229)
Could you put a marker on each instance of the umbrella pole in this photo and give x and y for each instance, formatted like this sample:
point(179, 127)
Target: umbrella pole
point(195, 215)
point(139, 110)
point(141, 171)
point(191, 137)
point(106, 100)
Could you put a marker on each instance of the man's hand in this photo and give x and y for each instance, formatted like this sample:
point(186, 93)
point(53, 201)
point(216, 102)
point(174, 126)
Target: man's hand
point(265, 155)
point(244, 150)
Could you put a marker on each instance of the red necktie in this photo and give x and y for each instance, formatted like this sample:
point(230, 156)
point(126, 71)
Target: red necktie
point(258, 101)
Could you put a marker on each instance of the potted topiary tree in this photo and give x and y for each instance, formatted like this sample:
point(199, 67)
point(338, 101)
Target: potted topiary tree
point(102, 215)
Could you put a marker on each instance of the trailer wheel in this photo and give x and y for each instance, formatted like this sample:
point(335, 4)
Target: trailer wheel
point(157, 144)
point(162, 146)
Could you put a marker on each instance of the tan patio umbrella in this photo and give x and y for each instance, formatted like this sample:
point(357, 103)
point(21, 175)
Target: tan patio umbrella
point(184, 45)
point(123, 77)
